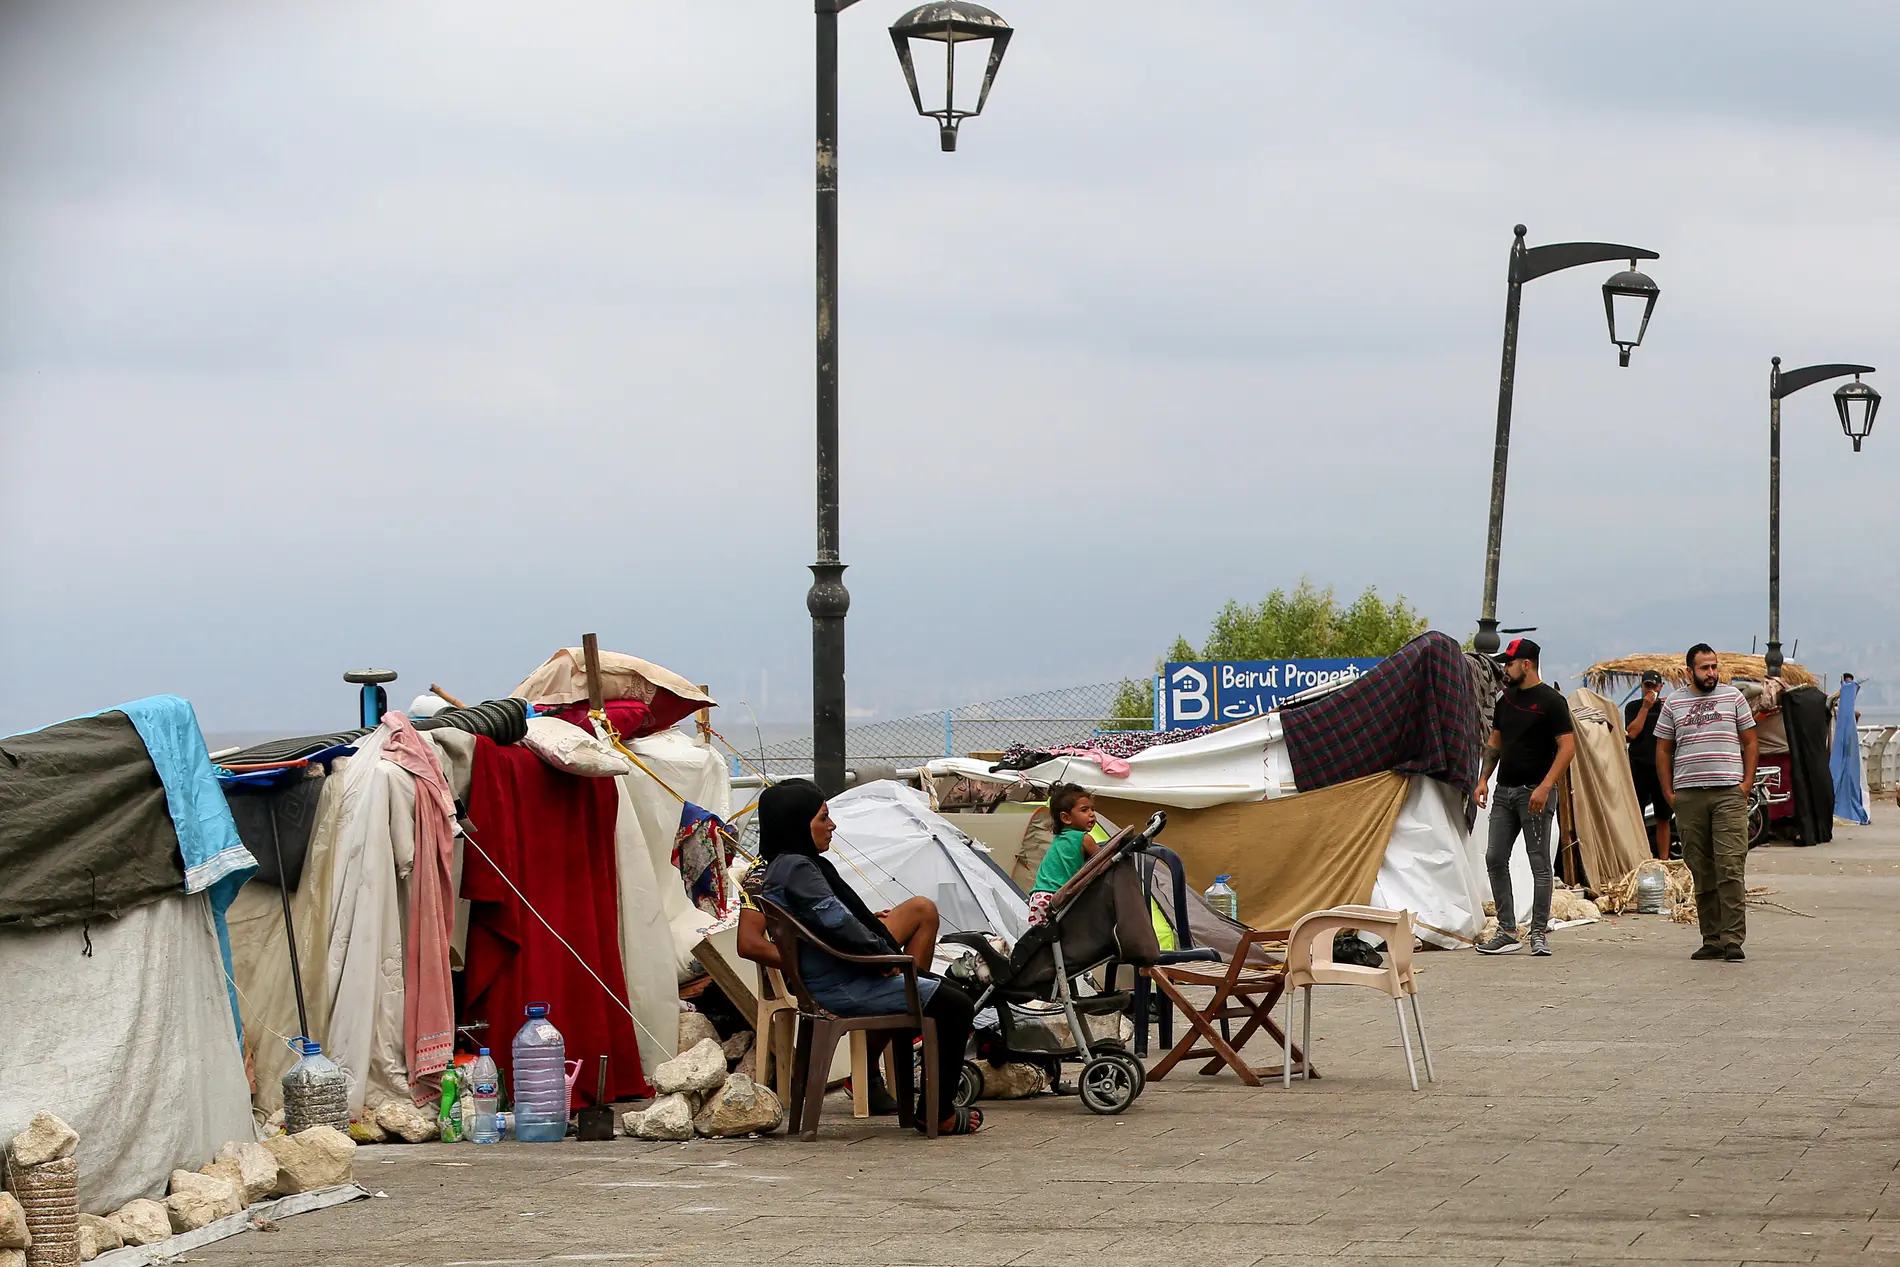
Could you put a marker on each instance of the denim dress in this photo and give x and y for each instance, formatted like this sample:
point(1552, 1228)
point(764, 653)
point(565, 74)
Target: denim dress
point(847, 989)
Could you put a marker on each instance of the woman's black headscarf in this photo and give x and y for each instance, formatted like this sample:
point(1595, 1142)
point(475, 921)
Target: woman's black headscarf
point(785, 813)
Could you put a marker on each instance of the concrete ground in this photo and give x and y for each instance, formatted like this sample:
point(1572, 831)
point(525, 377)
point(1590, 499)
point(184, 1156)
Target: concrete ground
point(1614, 1102)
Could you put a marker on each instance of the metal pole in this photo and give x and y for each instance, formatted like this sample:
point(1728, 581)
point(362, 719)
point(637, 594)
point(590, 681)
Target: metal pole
point(1773, 656)
point(1487, 640)
point(827, 600)
point(290, 926)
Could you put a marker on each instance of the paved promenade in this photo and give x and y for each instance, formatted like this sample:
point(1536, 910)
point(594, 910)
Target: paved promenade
point(1613, 1103)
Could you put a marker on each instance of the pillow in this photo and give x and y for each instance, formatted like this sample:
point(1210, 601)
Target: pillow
point(567, 747)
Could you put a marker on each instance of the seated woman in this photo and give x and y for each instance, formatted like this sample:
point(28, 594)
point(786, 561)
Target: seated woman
point(795, 830)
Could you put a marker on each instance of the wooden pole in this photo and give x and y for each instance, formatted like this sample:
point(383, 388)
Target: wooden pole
point(590, 648)
point(704, 718)
point(443, 695)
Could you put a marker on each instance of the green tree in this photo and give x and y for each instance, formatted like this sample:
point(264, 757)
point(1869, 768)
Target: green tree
point(1307, 624)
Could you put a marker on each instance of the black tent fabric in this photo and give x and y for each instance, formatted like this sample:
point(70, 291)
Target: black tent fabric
point(294, 804)
point(277, 750)
point(1804, 713)
point(85, 830)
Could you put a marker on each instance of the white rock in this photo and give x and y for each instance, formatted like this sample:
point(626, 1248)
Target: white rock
point(45, 1139)
point(702, 1068)
point(189, 1211)
point(669, 1117)
point(741, 1107)
point(142, 1222)
point(13, 1233)
point(317, 1158)
point(97, 1236)
point(407, 1121)
point(257, 1168)
point(225, 1196)
point(12, 1258)
point(695, 1029)
point(229, 1173)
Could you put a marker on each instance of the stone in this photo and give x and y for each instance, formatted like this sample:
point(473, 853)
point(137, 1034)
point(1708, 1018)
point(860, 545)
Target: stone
point(97, 1236)
point(695, 1029)
point(12, 1258)
point(142, 1222)
point(702, 1068)
point(407, 1121)
point(749, 1063)
point(13, 1233)
point(189, 1211)
point(669, 1117)
point(45, 1139)
point(741, 1107)
point(227, 1197)
point(228, 1172)
point(737, 1046)
point(257, 1169)
point(1013, 1081)
point(365, 1130)
point(320, 1157)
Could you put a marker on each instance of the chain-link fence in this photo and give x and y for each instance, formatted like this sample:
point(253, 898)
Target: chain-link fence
point(1044, 719)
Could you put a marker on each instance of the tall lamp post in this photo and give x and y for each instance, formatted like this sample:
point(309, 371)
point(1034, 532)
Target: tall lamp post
point(951, 23)
point(1628, 299)
point(1856, 403)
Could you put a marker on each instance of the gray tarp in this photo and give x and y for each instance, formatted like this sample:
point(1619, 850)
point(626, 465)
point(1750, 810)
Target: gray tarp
point(85, 831)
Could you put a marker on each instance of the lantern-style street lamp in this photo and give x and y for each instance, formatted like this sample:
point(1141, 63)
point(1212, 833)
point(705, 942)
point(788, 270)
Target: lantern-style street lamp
point(1856, 402)
point(953, 23)
point(1628, 299)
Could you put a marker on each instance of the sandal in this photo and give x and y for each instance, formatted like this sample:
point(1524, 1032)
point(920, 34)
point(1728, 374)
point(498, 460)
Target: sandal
point(961, 1122)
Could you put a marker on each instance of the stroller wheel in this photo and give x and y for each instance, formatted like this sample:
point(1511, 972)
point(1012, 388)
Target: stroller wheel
point(1108, 1084)
point(1135, 1067)
point(969, 1085)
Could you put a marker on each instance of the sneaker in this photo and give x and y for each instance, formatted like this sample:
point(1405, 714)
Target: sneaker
point(1501, 943)
point(1734, 954)
point(1540, 944)
point(1707, 952)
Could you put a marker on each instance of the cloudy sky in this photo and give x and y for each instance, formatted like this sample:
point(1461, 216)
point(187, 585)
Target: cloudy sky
point(429, 335)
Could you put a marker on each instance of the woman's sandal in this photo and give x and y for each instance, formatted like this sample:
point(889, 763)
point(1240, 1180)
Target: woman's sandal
point(962, 1122)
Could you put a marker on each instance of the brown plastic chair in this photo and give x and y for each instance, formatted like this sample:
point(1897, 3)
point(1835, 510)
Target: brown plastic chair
point(819, 1031)
point(1309, 962)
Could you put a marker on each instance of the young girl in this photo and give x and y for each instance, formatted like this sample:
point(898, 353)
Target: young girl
point(1074, 815)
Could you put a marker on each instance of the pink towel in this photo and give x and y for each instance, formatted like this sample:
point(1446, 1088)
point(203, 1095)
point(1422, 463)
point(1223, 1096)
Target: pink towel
point(1113, 767)
point(428, 1008)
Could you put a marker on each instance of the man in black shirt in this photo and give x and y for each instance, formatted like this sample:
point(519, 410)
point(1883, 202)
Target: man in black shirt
point(1531, 743)
point(1639, 727)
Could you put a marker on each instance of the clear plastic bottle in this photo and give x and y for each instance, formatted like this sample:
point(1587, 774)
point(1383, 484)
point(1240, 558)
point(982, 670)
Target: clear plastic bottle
point(484, 1097)
point(316, 1091)
point(1221, 896)
point(540, 1098)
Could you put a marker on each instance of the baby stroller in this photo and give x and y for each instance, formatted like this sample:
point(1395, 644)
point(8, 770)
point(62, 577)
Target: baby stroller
point(1100, 917)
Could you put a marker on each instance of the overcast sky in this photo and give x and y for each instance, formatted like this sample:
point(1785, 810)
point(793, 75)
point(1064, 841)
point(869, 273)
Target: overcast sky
point(430, 335)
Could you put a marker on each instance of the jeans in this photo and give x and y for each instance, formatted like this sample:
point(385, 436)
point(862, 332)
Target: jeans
point(1713, 822)
point(1510, 814)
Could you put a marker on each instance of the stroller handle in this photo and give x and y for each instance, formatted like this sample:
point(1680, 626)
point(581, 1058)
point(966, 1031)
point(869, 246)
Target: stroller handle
point(1156, 822)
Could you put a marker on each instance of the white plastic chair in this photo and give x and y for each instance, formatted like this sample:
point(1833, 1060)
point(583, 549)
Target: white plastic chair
point(1309, 962)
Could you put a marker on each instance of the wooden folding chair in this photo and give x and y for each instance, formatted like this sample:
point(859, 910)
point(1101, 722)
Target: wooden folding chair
point(1242, 991)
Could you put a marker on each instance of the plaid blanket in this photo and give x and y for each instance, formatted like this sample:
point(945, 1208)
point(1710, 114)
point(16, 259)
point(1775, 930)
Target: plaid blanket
point(1412, 714)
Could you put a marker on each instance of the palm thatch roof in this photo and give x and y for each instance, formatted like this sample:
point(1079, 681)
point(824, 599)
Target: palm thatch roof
point(1729, 665)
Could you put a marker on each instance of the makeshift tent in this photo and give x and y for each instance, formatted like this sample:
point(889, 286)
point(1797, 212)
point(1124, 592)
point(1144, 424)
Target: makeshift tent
point(663, 695)
point(115, 1012)
point(891, 846)
point(1604, 814)
point(1844, 759)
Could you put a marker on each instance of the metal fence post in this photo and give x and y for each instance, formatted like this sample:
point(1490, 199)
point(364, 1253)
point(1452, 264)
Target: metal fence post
point(949, 734)
point(1157, 703)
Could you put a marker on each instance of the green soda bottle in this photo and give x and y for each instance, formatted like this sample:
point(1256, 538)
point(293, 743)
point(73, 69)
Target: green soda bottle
point(449, 1118)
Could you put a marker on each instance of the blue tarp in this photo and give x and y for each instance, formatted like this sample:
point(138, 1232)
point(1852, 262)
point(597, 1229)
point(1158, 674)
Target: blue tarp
point(1843, 759)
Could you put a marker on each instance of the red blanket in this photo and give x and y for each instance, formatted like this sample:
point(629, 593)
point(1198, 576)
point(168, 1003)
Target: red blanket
point(552, 834)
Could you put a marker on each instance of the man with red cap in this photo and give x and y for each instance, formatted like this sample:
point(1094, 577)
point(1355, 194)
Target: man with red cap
point(1531, 743)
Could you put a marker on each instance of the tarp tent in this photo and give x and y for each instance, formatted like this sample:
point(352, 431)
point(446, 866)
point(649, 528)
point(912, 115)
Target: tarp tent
point(114, 1008)
point(890, 845)
point(1609, 823)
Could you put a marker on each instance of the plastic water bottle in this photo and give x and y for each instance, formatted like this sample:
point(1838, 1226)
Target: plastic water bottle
point(1222, 897)
point(540, 1079)
point(316, 1091)
point(484, 1092)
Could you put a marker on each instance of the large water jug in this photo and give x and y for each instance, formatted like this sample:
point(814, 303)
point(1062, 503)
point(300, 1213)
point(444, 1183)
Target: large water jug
point(1221, 896)
point(1652, 888)
point(540, 1079)
point(316, 1091)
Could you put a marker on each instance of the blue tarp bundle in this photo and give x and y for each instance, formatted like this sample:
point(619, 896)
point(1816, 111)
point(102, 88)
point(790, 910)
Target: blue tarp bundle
point(1843, 759)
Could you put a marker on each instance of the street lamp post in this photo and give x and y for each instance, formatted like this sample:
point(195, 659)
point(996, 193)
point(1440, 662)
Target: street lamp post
point(952, 23)
point(1856, 403)
point(1628, 299)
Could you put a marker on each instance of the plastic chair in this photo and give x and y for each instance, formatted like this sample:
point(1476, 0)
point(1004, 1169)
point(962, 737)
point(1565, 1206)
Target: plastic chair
point(1309, 962)
point(819, 1031)
point(1185, 950)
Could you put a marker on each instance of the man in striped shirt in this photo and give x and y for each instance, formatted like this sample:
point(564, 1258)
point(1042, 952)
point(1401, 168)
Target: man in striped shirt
point(1705, 757)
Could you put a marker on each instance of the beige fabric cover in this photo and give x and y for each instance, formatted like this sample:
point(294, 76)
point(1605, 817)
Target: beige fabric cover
point(1609, 822)
point(563, 680)
point(1287, 856)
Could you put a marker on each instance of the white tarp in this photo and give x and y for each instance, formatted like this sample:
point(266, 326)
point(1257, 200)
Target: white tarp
point(1244, 762)
point(891, 846)
point(697, 773)
point(133, 1045)
point(1429, 868)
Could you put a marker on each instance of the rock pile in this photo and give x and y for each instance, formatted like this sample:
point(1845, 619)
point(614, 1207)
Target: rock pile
point(39, 1226)
point(699, 1095)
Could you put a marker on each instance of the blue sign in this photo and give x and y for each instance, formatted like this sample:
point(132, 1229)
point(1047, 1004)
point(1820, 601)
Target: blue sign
point(1214, 692)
